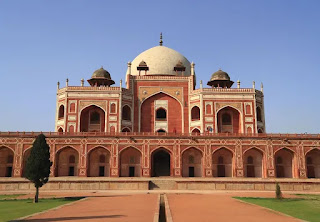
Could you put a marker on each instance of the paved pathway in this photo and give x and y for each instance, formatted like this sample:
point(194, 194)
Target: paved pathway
point(113, 208)
point(219, 207)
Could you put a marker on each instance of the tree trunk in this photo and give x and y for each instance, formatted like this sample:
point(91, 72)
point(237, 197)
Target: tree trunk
point(36, 197)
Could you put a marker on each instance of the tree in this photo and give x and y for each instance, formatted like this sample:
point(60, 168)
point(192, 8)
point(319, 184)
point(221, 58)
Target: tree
point(38, 164)
point(278, 192)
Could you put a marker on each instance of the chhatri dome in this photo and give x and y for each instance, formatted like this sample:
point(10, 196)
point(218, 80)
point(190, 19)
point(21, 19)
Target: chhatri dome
point(160, 60)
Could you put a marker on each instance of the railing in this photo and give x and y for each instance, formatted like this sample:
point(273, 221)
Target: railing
point(158, 134)
point(231, 90)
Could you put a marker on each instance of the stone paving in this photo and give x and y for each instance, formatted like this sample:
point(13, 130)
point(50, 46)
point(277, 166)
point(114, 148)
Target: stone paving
point(200, 206)
point(220, 207)
point(113, 208)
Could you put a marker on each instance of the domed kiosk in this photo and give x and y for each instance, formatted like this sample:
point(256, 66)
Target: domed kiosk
point(101, 77)
point(220, 79)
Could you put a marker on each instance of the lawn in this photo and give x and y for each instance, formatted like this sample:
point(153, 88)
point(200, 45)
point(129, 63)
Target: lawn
point(10, 196)
point(13, 209)
point(305, 207)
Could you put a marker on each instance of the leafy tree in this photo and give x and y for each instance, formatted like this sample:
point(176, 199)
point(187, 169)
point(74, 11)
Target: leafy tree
point(278, 192)
point(38, 164)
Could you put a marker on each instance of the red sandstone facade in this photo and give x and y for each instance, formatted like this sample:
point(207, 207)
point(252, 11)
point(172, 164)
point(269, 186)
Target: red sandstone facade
point(160, 125)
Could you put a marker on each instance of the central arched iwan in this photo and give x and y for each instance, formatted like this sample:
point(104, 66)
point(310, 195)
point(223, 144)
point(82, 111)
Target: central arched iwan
point(148, 113)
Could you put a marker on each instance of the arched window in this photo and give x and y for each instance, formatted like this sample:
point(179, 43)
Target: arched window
point(94, 118)
point(220, 160)
point(195, 113)
point(161, 131)
point(161, 114)
point(10, 159)
point(72, 159)
point(61, 112)
point(260, 131)
point(259, 116)
point(72, 107)
point(113, 108)
point(226, 119)
point(125, 130)
point(126, 113)
point(60, 130)
point(102, 158)
point(250, 160)
point(279, 160)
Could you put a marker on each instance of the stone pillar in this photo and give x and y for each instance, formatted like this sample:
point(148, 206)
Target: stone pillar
point(176, 160)
point(269, 160)
point(300, 162)
point(238, 158)
point(207, 163)
point(17, 159)
point(115, 159)
point(145, 162)
point(83, 159)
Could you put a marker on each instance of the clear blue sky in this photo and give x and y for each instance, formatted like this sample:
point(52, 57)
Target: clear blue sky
point(276, 42)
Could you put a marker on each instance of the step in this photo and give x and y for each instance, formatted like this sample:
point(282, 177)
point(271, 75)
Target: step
point(162, 184)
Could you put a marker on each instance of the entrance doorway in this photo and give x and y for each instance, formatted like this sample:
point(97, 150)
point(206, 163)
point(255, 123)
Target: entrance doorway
point(131, 171)
point(71, 171)
point(191, 171)
point(101, 171)
point(160, 163)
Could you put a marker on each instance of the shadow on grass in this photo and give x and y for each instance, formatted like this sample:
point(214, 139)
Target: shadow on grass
point(76, 218)
point(274, 199)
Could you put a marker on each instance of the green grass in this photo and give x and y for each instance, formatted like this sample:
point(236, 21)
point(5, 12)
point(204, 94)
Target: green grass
point(306, 207)
point(10, 196)
point(13, 209)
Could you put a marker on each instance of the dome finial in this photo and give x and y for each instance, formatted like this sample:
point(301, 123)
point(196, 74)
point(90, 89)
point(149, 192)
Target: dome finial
point(161, 42)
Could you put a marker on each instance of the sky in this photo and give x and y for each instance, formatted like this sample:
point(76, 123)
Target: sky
point(276, 42)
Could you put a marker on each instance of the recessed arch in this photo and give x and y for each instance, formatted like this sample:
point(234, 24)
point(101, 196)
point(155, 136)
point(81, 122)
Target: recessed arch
point(161, 162)
point(6, 161)
point(253, 162)
point(130, 162)
point(222, 162)
point(312, 161)
point(126, 113)
point(65, 167)
point(228, 120)
point(147, 113)
point(130, 146)
point(25, 156)
point(192, 159)
point(195, 113)
point(223, 147)
point(92, 119)
point(61, 112)
point(284, 163)
point(96, 166)
point(196, 130)
point(190, 147)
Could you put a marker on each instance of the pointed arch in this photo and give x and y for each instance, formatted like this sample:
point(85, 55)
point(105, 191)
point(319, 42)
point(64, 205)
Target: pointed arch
point(284, 162)
point(130, 162)
point(63, 165)
point(6, 161)
point(222, 162)
point(253, 162)
point(192, 159)
point(95, 166)
point(161, 162)
point(312, 161)
point(229, 120)
point(92, 119)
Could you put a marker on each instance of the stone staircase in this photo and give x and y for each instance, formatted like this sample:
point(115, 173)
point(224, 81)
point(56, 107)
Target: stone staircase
point(162, 184)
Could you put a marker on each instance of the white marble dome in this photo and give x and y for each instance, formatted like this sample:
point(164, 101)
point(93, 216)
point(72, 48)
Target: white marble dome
point(160, 60)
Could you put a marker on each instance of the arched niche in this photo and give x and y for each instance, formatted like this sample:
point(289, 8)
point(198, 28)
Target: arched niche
point(313, 163)
point(126, 113)
point(99, 162)
point(161, 162)
point(67, 160)
point(253, 163)
point(228, 120)
point(6, 162)
point(92, 119)
point(195, 113)
point(284, 163)
point(192, 163)
point(130, 162)
point(222, 163)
